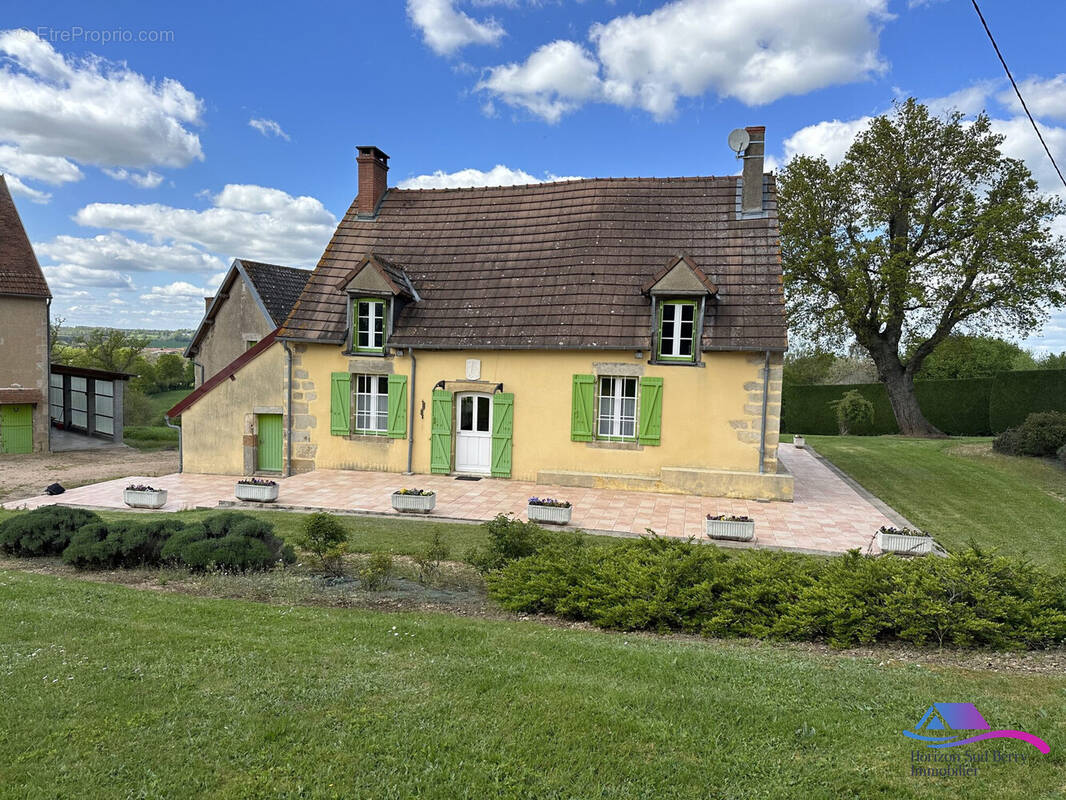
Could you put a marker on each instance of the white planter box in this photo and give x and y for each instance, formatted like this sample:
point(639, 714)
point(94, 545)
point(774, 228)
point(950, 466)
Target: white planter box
point(133, 499)
point(727, 529)
point(414, 503)
point(799, 441)
point(904, 543)
point(257, 494)
point(553, 515)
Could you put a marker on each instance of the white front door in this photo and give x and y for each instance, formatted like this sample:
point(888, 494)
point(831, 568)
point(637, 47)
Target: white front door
point(473, 433)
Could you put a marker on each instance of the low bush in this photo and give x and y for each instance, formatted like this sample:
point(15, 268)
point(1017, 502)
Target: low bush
point(853, 412)
point(1042, 434)
point(44, 531)
point(510, 538)
point(123, 543)
point(325, 536)
point(229, 540)
point(430, 560)
point(973, 598)
point(375, 571)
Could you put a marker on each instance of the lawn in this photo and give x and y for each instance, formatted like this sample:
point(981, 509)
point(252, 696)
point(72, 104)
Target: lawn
point(958, 490)
point(119, 692)
point(146, 437)
point(164, 401)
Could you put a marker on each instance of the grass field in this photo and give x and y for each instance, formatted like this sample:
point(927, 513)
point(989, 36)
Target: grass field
point(145, 437)
point(115, 692)
point(958, 490)
point(164, 401)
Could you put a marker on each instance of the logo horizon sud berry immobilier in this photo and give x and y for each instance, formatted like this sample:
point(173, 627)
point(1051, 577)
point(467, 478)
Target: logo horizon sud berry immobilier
point(954, 718)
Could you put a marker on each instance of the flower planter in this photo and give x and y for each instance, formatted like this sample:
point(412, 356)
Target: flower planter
point(553, 515)
point(799, 441)
point(257, 492)
point(136, 499)
point(729, 529)
point(905, 543)
point(414, 503)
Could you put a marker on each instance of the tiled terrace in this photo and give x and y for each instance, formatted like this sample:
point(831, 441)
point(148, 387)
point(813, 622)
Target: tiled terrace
point(827, 515)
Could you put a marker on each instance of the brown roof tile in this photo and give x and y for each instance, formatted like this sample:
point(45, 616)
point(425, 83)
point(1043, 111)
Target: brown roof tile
point(20, 274)
point(556, 265)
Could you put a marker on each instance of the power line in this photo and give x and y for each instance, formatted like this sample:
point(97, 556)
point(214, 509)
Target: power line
point(1018, 91)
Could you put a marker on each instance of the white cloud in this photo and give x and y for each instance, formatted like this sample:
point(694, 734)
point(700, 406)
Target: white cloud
point(67, 276)
point(555, 79)
point(89, 110)
point(446, 29)
point(146, 180)
point(113, 251)
point(268, 127)
point(50, 169)
point(1046, 97)
point(244, 221)
point(18, 187)
point(753, 50)
point(499, 175)
point(830, 139)
point(178, 291)
point(971, 100)
point(1021, 142)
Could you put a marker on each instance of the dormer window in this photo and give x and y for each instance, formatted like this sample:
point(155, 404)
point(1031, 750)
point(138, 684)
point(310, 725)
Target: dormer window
point(677, 327)
point(368, 335)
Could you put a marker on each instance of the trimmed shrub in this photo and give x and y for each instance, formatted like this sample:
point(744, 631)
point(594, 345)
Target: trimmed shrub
point(509, 539)
point(325, 536)
point(44, 531)
point(1041, 435)
point(375, 571)
point(1016, 395)
point(973, 598)
point(123, 543)
point(853, 411)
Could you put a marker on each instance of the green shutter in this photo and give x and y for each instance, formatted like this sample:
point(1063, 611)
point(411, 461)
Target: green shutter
point(582, 414)
point(502, 433)
point(440, 440)
point(340, 405)
point(651, 410)
point(397, 406)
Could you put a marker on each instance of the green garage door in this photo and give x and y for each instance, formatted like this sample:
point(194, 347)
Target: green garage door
point(269, 442)
point(16, 429)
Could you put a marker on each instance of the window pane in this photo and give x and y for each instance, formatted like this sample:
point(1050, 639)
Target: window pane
point(383, 385)
point(688, 312)
point(78, 401)
point(105, 405)
point(77, 384)
point(627, 427)
point(483, 414)
point(364, 338)
point(56, 380)
point(466, 414)
point(105, 425)
point(629, 387)
point(79, 418)
point(105, 388)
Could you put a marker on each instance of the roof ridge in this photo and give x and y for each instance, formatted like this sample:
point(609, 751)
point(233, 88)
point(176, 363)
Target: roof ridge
point(537, 184)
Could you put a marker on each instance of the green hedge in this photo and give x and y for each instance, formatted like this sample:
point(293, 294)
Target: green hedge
point(957, 407)
point(1016, 395)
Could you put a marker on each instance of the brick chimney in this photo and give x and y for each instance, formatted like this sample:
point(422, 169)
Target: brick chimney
point(373, 179)
point(751, 197)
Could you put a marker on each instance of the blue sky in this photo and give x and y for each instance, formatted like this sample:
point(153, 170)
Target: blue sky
point(148, 146)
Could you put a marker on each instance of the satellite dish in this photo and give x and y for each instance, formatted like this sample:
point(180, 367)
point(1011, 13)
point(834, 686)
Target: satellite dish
point(739, 141)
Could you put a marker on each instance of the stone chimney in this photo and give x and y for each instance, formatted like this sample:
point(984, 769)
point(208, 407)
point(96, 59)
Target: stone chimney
point(207, 303)
point(373, 179)
point(751, 197)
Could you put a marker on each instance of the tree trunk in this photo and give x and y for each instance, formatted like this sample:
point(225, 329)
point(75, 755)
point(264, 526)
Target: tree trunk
point(899, 384)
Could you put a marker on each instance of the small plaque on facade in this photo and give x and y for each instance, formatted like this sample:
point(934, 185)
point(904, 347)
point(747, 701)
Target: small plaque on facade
point(473, 369)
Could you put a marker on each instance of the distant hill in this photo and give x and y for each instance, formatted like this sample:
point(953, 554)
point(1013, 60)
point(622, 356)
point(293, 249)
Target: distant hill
point(158, 338)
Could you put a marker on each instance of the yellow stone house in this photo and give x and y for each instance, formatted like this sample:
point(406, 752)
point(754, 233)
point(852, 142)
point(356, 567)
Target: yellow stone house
point(622, 333)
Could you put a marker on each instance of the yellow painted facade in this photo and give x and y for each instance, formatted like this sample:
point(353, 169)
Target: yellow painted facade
point(711, 418)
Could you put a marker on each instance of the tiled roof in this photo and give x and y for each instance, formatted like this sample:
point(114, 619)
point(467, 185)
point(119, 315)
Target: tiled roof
point(20, 274)
point(279, 287)
point(556, 265)
point(227, 371)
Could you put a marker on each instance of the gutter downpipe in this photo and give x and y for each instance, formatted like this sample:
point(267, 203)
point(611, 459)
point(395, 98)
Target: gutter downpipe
point(181, 460)
point(288, 408)
point(411, 414)
point(765, 402)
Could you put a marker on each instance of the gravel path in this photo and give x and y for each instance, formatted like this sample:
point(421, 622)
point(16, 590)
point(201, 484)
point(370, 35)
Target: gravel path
point(26, 476)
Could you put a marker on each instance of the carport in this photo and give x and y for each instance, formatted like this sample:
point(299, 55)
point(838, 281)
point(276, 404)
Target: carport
point(86, 402)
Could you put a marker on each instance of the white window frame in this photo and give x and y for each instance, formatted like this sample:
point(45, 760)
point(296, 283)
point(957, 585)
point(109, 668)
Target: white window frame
point(375, 404)
point(616, 419)
point(377, 309)
point(671, 348)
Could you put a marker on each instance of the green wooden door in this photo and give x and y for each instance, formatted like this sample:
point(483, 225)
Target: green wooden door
point(16, 429)
point(269, 442)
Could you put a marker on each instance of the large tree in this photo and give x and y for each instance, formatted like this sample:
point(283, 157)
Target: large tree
point(924, 225)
